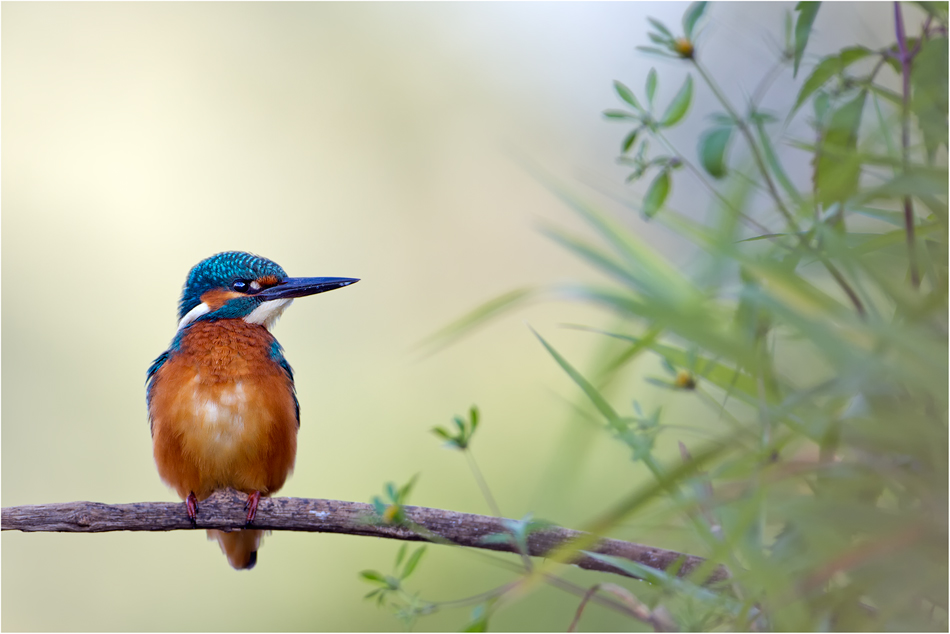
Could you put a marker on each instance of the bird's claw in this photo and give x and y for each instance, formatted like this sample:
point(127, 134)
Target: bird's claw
point(191, 507)
point(251, 506)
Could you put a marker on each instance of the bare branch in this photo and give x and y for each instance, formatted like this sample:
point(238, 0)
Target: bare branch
point(225, 511)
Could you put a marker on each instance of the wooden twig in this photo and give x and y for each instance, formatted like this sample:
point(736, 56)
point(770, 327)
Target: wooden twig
point(225, 511)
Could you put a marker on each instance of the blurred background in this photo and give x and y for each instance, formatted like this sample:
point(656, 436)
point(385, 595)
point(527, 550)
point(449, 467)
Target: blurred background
point(379, 141)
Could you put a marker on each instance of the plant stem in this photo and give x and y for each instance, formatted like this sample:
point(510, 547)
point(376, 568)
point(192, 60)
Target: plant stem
point(773, 191)
point(906, 58)
point(483, 485)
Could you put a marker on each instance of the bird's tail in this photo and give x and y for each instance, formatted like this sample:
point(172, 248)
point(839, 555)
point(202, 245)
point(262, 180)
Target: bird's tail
point(239, 546)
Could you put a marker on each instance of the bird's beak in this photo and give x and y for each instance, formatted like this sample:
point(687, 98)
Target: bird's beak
point(302, 286)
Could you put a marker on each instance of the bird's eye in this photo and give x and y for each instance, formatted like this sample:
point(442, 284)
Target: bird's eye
point(241, 286)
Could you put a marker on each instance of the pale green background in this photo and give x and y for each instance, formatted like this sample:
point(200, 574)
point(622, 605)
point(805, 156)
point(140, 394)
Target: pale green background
point(379, 141)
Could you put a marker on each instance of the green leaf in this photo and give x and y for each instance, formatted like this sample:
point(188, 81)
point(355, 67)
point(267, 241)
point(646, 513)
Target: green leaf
point(630, 139)
point(692, 15)
point(776, 166)
point(712, 150)
point(680, 104)
point(473, 416)
point(595, 397)
point(412, 562)
point(827, 68)
point(441, 433)
point(656, 194)
point(476, 317)
point(837, 167)
point(401, 554)
point(659, 26)
point(651, 86)
point(937, 10)
point(479, 621)
point(626, 94)
point(656, 51)
point(929, 81)
point(495, 538)
point(806, 17)
point(619, 114)
point(374, 577)
point(406, 489)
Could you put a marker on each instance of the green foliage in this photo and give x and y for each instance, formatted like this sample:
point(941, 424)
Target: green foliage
point(389, 588)
point(464, 430)
point(390, 510)
point(813, 330)
point(806, 17)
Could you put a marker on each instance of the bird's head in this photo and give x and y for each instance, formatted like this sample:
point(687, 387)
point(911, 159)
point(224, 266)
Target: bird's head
point(238, 285)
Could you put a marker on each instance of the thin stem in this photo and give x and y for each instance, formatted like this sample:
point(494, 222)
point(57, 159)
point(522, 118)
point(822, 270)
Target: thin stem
point(756, 155)
point(482, 484)
point(759, 93)
point(715, 192)
point(906, 59)
point(773, 191)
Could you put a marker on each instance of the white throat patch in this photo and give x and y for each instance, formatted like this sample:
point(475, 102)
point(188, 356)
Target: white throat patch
point(193, 314)
point(268, 312)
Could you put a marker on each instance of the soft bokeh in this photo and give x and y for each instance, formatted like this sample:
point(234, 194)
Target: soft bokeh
point(380, 141)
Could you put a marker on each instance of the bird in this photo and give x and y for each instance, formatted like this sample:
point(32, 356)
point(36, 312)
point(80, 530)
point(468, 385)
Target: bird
point(221, 400)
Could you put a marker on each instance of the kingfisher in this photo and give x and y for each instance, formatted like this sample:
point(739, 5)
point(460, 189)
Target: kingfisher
point(221, 401)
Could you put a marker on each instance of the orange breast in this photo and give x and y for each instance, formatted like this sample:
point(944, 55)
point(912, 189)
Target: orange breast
point(223, 412)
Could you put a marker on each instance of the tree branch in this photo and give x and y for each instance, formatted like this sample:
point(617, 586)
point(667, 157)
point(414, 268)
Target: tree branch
point(225, 511)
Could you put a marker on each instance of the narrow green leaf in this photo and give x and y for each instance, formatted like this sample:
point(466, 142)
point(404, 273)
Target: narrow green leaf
point(407, 489)
point(401, 554)
point(680, 104)
point(479, 622)
point(776, 166)
point(692, 15)
point(827, 68)
point(476, 317)
point(656, 51)
point(651, 86)
point(630, 139)
point(837, 167)
point(619, 114)
point(595, 397)
point(412, 562)
point(373, 576)
point(929, 81)
point(712, 150)
point(599, 258)
point(937, 10)
point(474, 416)
point(656, 194)
point(495, 538)
point(441, 433)
point(659, 26)
point(806, 17)
point(626, 94)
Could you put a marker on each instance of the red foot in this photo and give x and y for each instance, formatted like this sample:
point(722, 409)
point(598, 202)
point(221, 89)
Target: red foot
point(191, 506)
point(251, 505)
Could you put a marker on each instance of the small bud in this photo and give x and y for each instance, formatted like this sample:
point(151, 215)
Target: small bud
point(685, 380)
point(683, 48)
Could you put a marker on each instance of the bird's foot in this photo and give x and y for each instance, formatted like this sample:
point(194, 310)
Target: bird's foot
point(191, 507)
point(251, 505)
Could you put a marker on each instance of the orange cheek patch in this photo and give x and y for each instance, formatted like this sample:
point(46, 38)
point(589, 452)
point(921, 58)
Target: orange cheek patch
point(267, 280)
point(218, 297)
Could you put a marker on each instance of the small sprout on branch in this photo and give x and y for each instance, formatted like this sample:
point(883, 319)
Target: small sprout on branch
point(391, 510)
